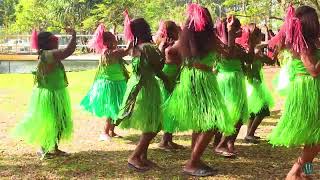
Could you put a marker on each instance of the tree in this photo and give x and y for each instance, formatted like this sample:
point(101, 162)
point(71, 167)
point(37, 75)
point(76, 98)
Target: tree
point(7, 12)
point(29, 14)
point(110, 12)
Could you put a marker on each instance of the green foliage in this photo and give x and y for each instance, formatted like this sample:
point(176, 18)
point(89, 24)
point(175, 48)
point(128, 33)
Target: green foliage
point(7, 12)
point(20, 16)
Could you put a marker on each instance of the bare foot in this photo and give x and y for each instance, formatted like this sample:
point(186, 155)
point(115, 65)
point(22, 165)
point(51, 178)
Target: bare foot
point(104, 137)
point(231, 148)
point(296, 173)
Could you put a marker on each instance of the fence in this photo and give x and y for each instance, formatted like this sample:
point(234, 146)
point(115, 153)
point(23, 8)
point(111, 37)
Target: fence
point(20, 44)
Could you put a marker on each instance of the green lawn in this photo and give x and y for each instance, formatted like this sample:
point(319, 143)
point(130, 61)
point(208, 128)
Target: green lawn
point(92, 159)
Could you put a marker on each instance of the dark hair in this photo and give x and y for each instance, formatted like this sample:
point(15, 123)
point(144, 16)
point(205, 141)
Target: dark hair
point(256, 30)
point(171, 28)
point(43, 40)
point(310, 24)
point(199, 43)
point(236, 24)
point(107, 37)
point(141, 30)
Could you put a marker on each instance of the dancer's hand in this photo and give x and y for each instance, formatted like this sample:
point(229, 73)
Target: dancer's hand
point(130, 45)
point(70, 31)
point(230, 23)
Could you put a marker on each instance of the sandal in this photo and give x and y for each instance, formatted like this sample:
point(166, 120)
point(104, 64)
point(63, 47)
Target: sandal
point(202, 172)
point(257, 137)
point(59, 153)
point(252, 140)
point(116, 136)
point(138, 169)
point(226, 154)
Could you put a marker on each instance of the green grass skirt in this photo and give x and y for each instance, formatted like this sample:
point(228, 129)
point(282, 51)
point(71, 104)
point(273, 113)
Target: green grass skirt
point(233, 88)
point(48, 120)
point(300, 121)
point(104, 98)
point(147, 113)
point(259, 96)
point(197, 104)
point(282, 80)
point(168, 124)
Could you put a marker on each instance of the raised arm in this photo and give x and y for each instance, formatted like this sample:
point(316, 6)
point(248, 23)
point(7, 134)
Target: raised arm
point(120, 53)
point(68, 51)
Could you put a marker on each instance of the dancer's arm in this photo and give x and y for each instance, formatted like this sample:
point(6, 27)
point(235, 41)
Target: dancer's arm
point(311, 63)
point(62, 54)
point(120, 53)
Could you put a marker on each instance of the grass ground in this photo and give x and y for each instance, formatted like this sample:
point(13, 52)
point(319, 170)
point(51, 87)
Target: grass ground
point(92, 159)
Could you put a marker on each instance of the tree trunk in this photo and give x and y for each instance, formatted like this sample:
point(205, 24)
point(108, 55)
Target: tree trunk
point(115, 28)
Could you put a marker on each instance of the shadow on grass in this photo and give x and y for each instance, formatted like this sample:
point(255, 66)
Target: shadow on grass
point(260, 161)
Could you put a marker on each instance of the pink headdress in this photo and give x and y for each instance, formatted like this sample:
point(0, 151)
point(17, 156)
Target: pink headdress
point(290, 33)
point(96, 43)
point(127, 27)
point(197, 16)
point(244, 39)
point(220, 31)
point(162, 31)
point(34, 40)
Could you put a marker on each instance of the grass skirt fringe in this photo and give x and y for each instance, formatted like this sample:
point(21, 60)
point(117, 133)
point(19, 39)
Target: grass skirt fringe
point(147, 113)
point(104, 98)
point(168, 123)
point(197, 104)
point(282, 80)
point(300, 122)
point(233, 88)
point(259, 96)
point(48, 120)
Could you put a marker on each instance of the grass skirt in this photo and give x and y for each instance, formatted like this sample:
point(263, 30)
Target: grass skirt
point(48, 120)
point(104, 98)
point(233, 88)
point(197, 104)
point(146, 114)
point(168, 123)
point(300, 121)
point(282, 80)
point(259, 96)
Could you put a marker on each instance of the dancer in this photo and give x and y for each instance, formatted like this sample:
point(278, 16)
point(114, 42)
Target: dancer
point(49, 118)
point(106, 94)
point(196, 103)
point(299, 124)
point(231, 82)
point(141, 107)
point(259, 97)
point(167, 35)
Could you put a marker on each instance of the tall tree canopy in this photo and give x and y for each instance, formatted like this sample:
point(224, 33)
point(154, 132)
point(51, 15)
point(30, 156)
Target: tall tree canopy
point(20, 16)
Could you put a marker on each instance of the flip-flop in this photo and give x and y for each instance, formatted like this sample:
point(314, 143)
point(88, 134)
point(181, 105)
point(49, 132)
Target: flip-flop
point(137, 169)
point(226, 154)
point(202, 172)
point(44, 156)
point(251, 140)
point(257, 137)
point(166, 148)
point(117, 136)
